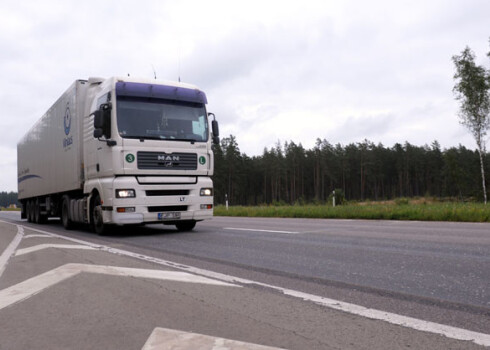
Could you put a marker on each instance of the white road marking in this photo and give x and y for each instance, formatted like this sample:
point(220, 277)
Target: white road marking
point(37, 284)
point(7, 253)
point(40, 236)
point(168, 339)
point(409, 322)
point(405, 321)
point(258, 230)
point(46, 246)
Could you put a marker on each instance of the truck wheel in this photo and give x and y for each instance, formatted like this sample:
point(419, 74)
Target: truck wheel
point(97, 218)
point(36, 211)
point(28, 211)
point(65, 213)
point(43, 219)
point(186, 225)
point(39, 217)
point(31, 211)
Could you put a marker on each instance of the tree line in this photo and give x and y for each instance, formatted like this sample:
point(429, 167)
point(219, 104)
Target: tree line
point(289, 173)
point(8, 198)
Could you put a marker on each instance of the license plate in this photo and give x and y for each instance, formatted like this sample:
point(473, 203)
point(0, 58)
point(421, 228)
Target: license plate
point(169, 215)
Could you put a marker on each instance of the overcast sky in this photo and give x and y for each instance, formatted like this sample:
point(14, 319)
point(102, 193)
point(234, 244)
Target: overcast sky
point(273, 71)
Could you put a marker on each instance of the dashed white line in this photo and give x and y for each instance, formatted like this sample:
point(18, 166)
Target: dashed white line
point(259, 230)
point(37, 236)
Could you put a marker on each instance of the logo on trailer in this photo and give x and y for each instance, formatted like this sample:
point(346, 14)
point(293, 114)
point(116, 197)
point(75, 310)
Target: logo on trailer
point(67, 141)
point(67, 120)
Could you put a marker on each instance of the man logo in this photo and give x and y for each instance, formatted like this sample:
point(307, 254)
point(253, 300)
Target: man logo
point(168, 158)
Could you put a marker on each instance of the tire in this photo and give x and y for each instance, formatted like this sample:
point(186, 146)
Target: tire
point(41, 218)
point(186, 225)
point(65, 213)
point(36, 212)
point(33, 212)
point(97, 219)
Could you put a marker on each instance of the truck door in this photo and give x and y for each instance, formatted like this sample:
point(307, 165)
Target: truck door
point(104, 162)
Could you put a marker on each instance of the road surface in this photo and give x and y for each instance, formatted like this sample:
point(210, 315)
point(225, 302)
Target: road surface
point(436, 272)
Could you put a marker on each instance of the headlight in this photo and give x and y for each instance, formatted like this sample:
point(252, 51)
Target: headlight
point(125, 194)
point(206, 191)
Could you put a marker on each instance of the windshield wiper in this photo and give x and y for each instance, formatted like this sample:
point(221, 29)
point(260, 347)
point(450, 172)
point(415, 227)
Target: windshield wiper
point(188, 140)
point(142, 138)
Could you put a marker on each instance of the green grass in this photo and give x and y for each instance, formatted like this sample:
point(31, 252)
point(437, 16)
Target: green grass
point(9, 209)
point(405, 210)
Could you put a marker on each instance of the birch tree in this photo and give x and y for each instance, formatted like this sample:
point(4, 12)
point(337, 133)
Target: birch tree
point(472, 90)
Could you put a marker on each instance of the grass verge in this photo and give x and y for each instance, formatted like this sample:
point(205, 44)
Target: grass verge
point(424, 211)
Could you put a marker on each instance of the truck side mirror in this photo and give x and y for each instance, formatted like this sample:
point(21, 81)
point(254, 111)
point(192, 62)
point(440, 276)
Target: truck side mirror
point(102, 121)
point(214, 129)
point(214, 126)
point(98, 121)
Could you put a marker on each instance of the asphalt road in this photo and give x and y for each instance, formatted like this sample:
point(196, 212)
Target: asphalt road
point(433, 271)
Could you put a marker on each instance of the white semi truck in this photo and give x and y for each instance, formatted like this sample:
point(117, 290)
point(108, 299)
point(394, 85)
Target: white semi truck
point(120, 151)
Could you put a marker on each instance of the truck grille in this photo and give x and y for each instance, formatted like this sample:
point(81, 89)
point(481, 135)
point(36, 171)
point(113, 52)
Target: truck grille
point(167, 161)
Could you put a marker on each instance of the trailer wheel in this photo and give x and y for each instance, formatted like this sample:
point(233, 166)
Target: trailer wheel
point(32, 212)
point(36, 211)
point(97, 218)
point(65, 213)
point(41, 218)
point(186, 225)
point(29, 211)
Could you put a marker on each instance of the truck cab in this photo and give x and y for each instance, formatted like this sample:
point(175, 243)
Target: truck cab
point(149, 159)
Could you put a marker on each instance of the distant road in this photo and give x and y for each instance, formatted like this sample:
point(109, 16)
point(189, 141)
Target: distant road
point(430, 270)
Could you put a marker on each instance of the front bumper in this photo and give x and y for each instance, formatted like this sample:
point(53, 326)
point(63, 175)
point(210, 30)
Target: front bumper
point(153, 199)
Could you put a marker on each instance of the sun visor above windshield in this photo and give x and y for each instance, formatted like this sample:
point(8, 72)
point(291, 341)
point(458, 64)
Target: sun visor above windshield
point(160, 91)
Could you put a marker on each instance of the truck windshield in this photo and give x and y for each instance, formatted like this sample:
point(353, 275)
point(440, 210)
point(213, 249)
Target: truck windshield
point(157, 119)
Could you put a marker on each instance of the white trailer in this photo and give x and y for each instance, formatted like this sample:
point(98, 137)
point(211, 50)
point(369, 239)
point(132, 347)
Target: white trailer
point(120, 151)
